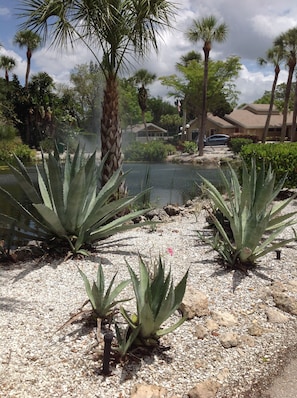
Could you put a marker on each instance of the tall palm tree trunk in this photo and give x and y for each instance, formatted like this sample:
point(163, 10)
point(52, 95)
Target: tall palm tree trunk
point(204, 103)
point(111, 135)
point(267, 123)
point(293, 127)
point(29, 55)
point(287, 98)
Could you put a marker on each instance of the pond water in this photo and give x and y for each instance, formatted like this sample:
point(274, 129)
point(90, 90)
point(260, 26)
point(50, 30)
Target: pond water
point(170, 183)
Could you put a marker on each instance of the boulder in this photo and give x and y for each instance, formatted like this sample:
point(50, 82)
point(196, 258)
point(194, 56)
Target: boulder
point(195, 303)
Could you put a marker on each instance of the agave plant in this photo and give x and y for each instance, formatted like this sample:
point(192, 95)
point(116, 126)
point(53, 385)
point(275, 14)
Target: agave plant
point(253, 216)
point(103, 301)
point(69, 204)
point(156, 301)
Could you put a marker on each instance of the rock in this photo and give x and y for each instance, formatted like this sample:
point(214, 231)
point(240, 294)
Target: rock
point(200, 332)
point(229, 340)
point(285, 296)
point(172, 210)
point(157, 215)
point(211, 325)
point(148, 391)
point(275, 316)
point(255, 330)
point(195, 303)
point(205, 389)
point(224, 318)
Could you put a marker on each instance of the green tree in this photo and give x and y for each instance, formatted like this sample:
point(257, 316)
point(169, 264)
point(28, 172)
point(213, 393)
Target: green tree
point(274, 56)
point(208, 30)
point(88, 86)
point(31, 41)
point(288, 43)
point(143, 77)
point(118, 29)
point(8, 64)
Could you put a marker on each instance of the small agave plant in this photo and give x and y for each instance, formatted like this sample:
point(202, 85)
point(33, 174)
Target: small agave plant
point(103, 302)
point(253, 217)
point(156, 300)
point(69, 204)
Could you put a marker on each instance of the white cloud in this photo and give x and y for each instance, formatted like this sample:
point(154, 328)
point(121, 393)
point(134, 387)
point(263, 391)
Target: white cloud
point(4, 11)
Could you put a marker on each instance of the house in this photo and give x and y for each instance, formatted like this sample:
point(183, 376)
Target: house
point(250, 120)
point(151, 133)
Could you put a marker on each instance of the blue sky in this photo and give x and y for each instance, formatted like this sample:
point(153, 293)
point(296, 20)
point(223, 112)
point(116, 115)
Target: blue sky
point(253, 25)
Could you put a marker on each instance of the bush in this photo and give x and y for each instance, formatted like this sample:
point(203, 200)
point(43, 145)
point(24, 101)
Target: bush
point(281, 156)
point(190, 147)
point(7, 132)
point(153, 151)
point(235, 144)
point(10, 147)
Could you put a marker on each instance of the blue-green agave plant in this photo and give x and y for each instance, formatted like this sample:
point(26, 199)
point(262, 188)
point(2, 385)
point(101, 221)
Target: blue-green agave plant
point(255, 219)
point(68, 202)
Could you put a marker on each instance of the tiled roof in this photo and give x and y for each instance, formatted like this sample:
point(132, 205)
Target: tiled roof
point(150, 127)
point(247, 119)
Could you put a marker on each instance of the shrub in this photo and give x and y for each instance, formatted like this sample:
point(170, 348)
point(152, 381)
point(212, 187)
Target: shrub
point(281, 156)
point(190, 147)
point(152, 151)
point(9, 148)
point(7, 132)
point(235, 144)
point(247, 223)
point(69, 206)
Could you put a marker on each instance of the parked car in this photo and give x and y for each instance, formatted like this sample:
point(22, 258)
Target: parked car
point(216, 139)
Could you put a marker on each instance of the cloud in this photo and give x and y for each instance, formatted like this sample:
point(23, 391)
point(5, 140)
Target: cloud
point(4, 11)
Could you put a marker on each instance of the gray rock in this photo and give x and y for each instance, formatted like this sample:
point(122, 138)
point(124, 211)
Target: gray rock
point(276, 316)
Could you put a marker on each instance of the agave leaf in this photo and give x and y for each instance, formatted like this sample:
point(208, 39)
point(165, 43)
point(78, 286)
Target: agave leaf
point(125, 342)
point(44, 191)
point(56, 187)
point(163, 332)
point(17, 205)
point(87, 287)
point(75, 200)
point(25, 183)
point(51, 219)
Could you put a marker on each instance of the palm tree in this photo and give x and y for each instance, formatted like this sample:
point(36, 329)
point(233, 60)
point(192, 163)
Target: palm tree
point(118, 30)
point(275, 56)
point(208, 30)
point(30, 40)
point(143, 77)
point(7, 63)
point(288, 42)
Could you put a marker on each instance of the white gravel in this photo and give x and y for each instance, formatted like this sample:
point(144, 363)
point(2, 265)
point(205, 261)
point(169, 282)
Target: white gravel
point(37, 298)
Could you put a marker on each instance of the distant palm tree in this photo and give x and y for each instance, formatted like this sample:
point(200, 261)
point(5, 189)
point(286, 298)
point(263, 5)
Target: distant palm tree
point(208, 30)
point(275, 56)
point(117, 29)
point(288, 42)
point(7, 63)
point(143, 77)
point(30, 40)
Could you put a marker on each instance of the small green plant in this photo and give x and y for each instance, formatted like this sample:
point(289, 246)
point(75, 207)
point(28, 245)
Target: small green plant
point(153, 151)
point(235, 144)
point(102, 301)
point(253, 218)
point(190, 147)
point(156, 301)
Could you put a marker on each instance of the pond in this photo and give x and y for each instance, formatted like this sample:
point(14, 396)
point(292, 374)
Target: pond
point(170, 183)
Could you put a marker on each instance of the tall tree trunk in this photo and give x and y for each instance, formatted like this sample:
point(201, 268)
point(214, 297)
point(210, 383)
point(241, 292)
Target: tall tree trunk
point(266, 128)
point(293, 127)
point(287, 98)
point(204, 103)
point(111, 135)
point(29, 55)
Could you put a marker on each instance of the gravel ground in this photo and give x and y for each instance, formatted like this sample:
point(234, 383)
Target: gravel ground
point(38, 297)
